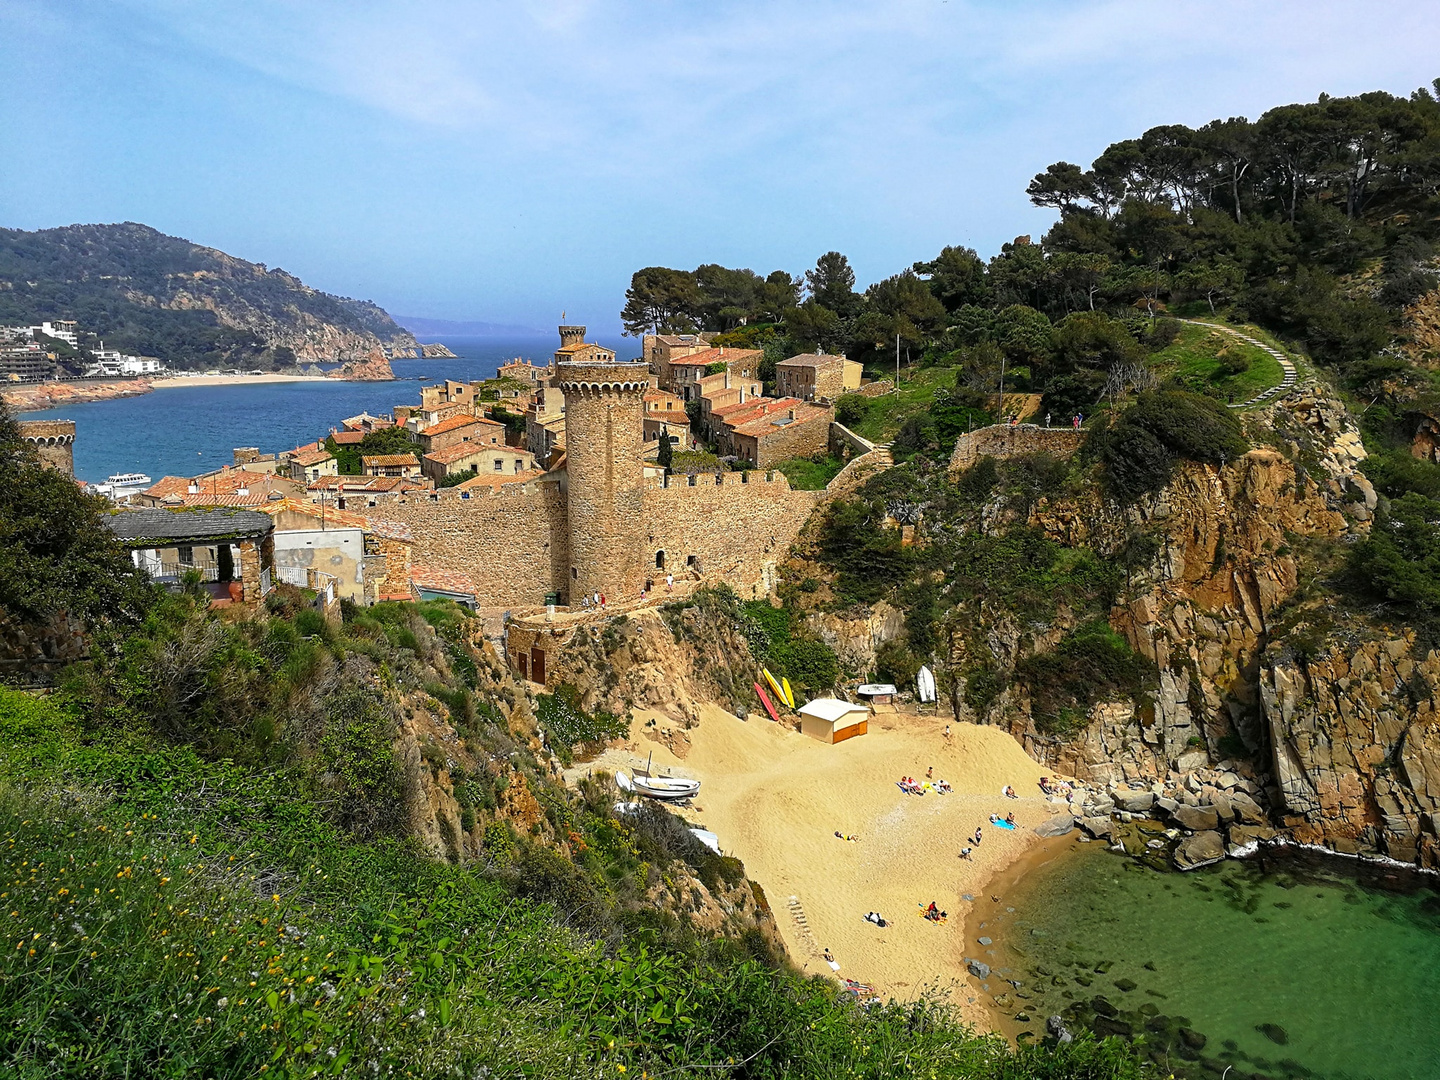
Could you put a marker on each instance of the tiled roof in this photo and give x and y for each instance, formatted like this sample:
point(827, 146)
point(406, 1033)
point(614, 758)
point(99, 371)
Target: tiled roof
point(312, 457)
point(228, 498)
point(434, 577)
point(454, 423)
point(498, 480)
point(815, 360)
point(362, 484)
point(390, 459)
point(178, 525)
point(716, 356)
point(678, 419)
point(357, 423)
point(225, 481)
point(776, 420)
point(347, 438)
point(448, 455)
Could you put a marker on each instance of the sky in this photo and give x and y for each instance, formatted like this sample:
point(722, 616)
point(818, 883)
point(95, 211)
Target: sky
point(505, 161)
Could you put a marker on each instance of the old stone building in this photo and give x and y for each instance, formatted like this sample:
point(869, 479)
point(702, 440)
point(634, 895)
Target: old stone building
point(816, 376)
point(54, 442)
point(596, 522)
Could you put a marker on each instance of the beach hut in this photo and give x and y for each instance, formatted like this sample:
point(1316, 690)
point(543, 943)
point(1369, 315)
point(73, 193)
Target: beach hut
point(878, 693)
point(833, 721)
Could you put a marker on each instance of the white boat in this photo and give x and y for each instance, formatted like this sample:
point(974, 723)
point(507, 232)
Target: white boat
point(119, 486)
point(659, 787)
point(925, 685)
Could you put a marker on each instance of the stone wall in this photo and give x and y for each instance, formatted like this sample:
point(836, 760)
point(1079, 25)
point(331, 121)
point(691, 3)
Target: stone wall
point(734, 531)
point(802, 438)
point(511, 541)
point(843, 439)
point(54, 442)
point(1003, 441)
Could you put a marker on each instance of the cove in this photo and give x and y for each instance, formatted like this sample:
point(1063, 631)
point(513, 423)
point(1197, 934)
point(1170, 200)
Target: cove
point(1285, 965)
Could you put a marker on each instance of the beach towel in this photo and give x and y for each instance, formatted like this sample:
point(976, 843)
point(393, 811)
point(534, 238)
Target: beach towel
point(1003, 825)
point(834, 965)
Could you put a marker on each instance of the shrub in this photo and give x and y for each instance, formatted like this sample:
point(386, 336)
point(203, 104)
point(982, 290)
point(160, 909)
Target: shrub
point(1139, 452)
point(1089, 665)
point(810, 665)
point(896, 663)
point(1400, 560)
point(851, 408)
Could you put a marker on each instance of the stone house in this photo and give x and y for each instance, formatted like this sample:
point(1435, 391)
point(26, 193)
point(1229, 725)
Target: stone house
point(359, 492)
point(545, 423)
point(225, 547)
point(574, 349)
point(390, 465)
point(687, 374)
point(477, 458)
point(723, 390)
point(797, 430)
point(362, 556)
point(460, 429)
point(450, 392)
point(525, 371)
point(310, 463)
point(816, 376)
point(661, 350)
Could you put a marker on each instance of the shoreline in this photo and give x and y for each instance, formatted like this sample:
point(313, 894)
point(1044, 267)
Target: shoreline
point(776, 798)
point(1040, 856)
point(171, 382)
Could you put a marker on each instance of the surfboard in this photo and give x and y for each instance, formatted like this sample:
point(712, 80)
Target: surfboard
point(789, 694)
point(765, 700)
point(925, 685)
point(774, 685)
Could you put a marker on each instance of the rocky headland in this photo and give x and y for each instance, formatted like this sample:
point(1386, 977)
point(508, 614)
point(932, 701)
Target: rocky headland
point(34, 397)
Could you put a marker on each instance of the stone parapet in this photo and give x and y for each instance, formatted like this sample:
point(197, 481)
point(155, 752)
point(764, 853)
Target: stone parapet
point(54, 442)
point(1012, 440)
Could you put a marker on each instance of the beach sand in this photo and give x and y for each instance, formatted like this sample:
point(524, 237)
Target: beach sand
point(776, 798)
point(234, 380)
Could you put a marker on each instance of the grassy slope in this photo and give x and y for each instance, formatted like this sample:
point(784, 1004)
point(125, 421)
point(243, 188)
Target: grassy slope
point(178, 917)
point(1194, 357)
point(806, 474)
point(889, 411)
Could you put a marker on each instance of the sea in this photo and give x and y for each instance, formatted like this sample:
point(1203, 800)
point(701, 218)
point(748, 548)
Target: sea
point(1287, 965)
point(183, 431)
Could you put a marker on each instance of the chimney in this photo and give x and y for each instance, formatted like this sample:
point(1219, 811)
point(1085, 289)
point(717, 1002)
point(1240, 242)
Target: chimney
point(791, 414)
point(194, 488)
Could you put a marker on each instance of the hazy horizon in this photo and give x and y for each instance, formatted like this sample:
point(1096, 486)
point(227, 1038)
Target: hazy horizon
point(504, 164)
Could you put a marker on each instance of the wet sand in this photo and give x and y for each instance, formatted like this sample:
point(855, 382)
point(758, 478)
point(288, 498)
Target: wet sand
point(776, 799)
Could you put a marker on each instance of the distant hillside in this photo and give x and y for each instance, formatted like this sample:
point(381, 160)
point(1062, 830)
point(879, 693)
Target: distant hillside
point(194, 307)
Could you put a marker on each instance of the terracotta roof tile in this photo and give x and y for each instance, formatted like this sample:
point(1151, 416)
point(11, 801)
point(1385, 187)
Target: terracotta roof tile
point(389, 459)
point(454, 423)
point(815, 360)
point(448, 455)
point(435, 577)
point(499, 480)
point(306, 458)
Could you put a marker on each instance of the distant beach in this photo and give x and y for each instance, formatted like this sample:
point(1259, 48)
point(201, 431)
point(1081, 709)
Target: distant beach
point(171, 382)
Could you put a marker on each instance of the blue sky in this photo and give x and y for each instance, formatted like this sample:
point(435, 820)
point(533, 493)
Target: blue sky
point(504, 160)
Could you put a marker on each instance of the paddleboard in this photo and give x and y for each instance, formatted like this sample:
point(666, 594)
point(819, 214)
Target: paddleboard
point(765, 700)
point(789, 694)
point(925, 685)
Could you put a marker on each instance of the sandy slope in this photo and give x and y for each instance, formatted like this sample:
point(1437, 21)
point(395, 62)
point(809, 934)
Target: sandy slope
point(776, 798)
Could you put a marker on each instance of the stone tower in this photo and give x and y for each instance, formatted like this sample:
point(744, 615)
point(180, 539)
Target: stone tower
point(54, 442)
point(572, 335)
point(605, 477)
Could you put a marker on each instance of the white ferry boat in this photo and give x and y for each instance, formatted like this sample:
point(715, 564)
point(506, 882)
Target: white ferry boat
point(120, 486)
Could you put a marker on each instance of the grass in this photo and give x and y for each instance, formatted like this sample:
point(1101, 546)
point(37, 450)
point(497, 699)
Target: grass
point(1197, 357)
point(888, 411)
point(812, 473)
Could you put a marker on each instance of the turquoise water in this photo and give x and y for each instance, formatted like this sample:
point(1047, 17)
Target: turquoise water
point(185, 431)
point(1301, 966)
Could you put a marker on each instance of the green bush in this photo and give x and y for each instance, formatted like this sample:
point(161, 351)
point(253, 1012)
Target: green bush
point(811, 666)
point(1139, 451)
point(1399, 561)
point(851, 408)
point(1090, 664)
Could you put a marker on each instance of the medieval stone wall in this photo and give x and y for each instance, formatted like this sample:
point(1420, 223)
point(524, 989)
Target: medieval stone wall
point(512, 542)
point(54, 442)
point(1003, 440)
point(732, 532)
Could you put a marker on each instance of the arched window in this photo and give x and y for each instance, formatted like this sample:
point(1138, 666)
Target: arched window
point(574, 574)
point(659, 560)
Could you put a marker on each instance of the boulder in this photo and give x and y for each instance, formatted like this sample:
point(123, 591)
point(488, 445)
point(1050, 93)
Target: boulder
point(1056, 1029)
point(1246, 809)
point(1058, 825)
point(1243, 835)
point(1166, 804)
point(1202, 849)
point(1098, 827)
point(1135, 802)
point(978, 968)
point(1223, 807)
point(1198, 818)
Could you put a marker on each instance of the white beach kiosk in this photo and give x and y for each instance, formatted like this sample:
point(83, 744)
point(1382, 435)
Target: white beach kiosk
point(833, 721)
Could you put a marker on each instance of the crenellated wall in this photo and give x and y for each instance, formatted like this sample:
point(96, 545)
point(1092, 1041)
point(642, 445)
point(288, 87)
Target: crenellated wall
point(54, 442)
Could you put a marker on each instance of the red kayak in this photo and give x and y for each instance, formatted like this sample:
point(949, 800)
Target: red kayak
point(765, 700)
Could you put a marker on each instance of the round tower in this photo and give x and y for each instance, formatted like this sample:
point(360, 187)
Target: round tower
point(572, 335)
point(605, 476)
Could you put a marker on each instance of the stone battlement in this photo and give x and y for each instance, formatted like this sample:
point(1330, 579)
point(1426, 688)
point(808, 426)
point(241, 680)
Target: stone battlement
point(54, 442)
point(721, 479)
point(1006, 440)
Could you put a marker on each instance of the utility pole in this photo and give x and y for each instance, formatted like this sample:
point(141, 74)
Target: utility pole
point(897, 363)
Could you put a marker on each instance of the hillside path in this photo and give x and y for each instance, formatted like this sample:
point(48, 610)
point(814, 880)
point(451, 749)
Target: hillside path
point(1286, 365)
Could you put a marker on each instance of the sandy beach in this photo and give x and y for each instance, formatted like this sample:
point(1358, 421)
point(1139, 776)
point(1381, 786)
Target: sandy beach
point(171, 381)
point(776, 798)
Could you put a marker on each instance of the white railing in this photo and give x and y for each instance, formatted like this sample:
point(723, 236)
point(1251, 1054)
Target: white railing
point(292, 575)
point(265, 583)
point(176, 571)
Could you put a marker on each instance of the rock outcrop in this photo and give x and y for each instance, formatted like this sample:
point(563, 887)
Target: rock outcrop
point(374, 368)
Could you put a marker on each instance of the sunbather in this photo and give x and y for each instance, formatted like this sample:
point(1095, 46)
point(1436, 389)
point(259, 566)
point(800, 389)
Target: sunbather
point(1009, 819)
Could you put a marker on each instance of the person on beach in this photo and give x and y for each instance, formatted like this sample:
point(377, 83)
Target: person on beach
point(965, 852)
point(947, 731)
point(1010, 819)
point(976, 838)
point(930, 773)
point(1010, 792)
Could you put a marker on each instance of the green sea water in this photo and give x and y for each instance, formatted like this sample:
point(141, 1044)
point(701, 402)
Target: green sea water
point(1297, 966)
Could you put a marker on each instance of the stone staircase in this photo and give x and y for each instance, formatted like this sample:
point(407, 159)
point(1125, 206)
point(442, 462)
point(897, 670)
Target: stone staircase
point(1286, 365)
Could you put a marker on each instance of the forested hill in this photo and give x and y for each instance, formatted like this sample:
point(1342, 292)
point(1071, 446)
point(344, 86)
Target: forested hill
point(194, 307)
point(1317, 221)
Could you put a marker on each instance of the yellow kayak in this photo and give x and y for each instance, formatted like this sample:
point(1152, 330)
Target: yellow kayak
point(789, 694)
point(775, 685)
